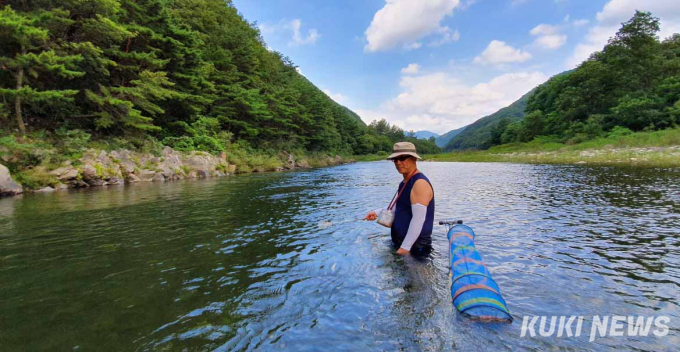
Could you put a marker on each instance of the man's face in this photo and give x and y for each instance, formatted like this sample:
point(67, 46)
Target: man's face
point(404, 163)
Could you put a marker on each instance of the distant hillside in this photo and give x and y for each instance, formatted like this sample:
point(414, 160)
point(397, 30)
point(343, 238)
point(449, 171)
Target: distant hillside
point(485, 132)
point(425, 134)
point(480, 134)
point(442, 140)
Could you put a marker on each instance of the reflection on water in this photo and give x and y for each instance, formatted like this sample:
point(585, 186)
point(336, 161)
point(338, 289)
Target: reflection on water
point(280, 261)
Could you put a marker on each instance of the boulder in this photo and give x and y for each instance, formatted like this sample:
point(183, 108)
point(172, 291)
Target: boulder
point(231, 169)
point(114, 180)
point(198, 161)
point(166, 170)
point(125, 159)
point(89, 173)
point(202, 173)
point(79, 184)
point(96, 182)
point(65, 173)
point(146, 175)
point(7, 184)
point(291, 161)
point(158, 177)
point(133, 178)
point(47, 189)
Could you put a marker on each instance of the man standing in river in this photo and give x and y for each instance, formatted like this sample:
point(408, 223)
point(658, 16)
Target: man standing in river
point(413, 215)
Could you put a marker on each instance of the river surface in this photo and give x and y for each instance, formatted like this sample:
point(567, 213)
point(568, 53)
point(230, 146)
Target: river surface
point(279, 261)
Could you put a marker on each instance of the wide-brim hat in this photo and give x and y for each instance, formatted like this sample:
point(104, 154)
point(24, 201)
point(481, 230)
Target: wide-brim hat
point(403, 148)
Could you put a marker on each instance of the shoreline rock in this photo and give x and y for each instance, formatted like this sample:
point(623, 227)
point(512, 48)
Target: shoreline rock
point(8, 187)
point(98, 168)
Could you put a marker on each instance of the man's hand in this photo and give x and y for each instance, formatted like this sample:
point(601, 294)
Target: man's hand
point(371, 215)
point(402, 251)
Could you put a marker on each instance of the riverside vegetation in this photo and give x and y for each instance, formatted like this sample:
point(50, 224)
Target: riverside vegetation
point(631, 88)
point(192, 75)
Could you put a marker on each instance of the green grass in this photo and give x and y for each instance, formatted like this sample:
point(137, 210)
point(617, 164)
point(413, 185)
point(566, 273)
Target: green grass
point(649, 149)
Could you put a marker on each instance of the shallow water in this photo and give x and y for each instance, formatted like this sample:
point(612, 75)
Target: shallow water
point(280, 261)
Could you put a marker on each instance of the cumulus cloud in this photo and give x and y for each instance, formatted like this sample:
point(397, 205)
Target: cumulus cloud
point(551, 41)
point(544, 29)
point(337, 97)
point(614, 13)
point(404, 22)
point(548, 36)
point(440, 102)
point(498, 53)
point(411, 69)
point(293, 27)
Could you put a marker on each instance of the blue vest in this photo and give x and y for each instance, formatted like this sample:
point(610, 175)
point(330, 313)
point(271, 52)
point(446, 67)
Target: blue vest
point(403, 215)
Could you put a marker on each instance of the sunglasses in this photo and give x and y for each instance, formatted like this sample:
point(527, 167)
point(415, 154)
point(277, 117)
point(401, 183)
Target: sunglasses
point(401, 158)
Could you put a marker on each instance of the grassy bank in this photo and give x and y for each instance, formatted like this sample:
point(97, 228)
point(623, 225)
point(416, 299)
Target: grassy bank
point(649, 149)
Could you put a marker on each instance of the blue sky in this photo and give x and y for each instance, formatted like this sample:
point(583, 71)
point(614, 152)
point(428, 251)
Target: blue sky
point(439, 64)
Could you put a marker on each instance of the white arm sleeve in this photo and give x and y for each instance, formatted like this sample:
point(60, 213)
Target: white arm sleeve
point(416, 226)
point(377, 211)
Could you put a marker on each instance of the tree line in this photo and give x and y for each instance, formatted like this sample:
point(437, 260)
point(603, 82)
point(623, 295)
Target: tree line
point(193, 74)
point(633, 84)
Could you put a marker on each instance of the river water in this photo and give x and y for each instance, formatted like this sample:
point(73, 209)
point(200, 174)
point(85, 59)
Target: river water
point(280, 261)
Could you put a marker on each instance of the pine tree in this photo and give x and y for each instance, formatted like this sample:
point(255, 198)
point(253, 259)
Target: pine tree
point(26, 55)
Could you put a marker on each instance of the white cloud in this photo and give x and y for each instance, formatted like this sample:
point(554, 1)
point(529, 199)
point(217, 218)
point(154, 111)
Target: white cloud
point(411, 69)
point(339, 98)
point(551, 41)
point(617, 11)
point(440, 102)
point(447, 36)
point(498, 53)
point(404, 22)
point(580, 22)
point(549, 36)
point(298, 39)
point(614, 13)
point(544, 29)
point(294, 28)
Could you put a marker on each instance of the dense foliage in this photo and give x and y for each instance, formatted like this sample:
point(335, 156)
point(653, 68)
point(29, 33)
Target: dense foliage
point(633, 83)
point(487, 131)
point(382, 136)
point(192, 74)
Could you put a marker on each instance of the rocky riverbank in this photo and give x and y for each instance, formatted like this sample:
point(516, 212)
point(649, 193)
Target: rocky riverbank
point(101, 168)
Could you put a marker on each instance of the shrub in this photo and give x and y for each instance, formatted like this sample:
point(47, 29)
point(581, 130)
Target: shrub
point(36, 178)
point(72, 142)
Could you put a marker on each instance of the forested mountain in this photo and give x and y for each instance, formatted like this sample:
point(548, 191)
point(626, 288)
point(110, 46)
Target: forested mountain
point(632, 84)
point(446, 137)
point(192, 74)
point(487, 131)
point(424, 134)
